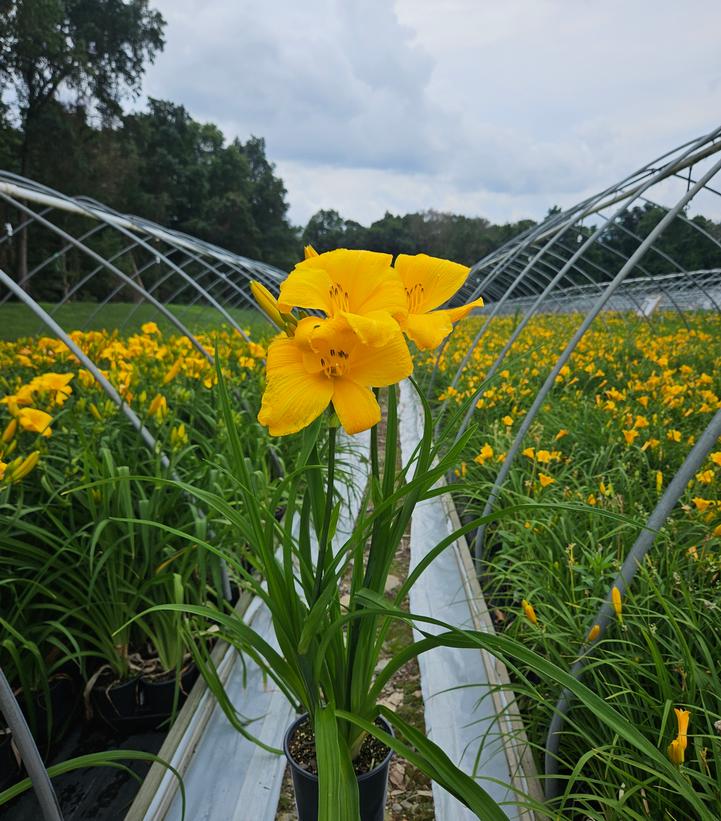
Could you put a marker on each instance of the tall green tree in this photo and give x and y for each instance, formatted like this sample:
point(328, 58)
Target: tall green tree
point(90, 50)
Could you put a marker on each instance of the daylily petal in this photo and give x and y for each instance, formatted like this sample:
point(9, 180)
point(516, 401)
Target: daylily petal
point(381, 366)
point(428, 330)
point(462, 311)
point(376, 328)
point(429, 281)
point(355, 405)
point(306, 287)
point(293, 398)
point(358, 282)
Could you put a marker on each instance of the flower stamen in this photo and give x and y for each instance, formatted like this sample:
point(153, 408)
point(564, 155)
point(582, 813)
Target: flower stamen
point(339, 297)
point(415, 294)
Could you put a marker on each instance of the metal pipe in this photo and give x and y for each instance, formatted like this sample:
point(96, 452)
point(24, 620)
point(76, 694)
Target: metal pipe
point(23, 739)
point(633, 561)
point(571, 346)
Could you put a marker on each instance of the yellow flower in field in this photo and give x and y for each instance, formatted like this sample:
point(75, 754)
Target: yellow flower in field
point(659, 481)
point(717, 531)
point(358, 286)
point(643, 400)
point(507, 421)
point(173, 372)
point(545, 480)
point(149, 328)
point(9, 431)
point(35, 421)
point(3, 468)
point(486, 452)
point(462, 471)
point(594, 633)
point(682, 719)
point(326, 361)
point(23, 396)
point(529, 453)
point(561, 433)
point(673, 435)
point(26, 466)
point(705, 477)
point(178, 436)
point(716, 458)
point(650, 443)
point(430, 282)
point(676, 752)
point(591, 499)
point(256, 350)
point(692, 552)
point(56, 384)
point(701, 504)
point(529, 611)
point(158, 407)
point(629, 436)
point(617, 603)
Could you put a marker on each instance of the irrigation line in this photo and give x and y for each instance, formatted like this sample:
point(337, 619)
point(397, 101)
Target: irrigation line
point(630, 567)
point(23, 738)
point(571, 346)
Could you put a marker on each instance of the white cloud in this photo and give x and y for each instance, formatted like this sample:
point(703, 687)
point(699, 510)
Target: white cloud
point(468, 105)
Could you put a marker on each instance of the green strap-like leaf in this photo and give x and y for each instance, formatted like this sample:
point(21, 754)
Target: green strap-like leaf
point(337, 782)
point(430, 759)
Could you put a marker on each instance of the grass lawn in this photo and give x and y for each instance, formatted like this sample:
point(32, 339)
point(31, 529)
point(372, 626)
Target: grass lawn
point(17, 320)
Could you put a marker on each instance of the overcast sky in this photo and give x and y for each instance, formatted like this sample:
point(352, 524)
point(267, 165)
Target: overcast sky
point(497, 108)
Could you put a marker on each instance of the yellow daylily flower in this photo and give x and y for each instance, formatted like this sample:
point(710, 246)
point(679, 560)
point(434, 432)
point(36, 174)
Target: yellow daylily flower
point(529, 611)
point(594, 633)
point(676, 752)
point(326, 361)
point(617, 602)
point(358, 286)
point(149, 328)
point(26, 466)
point(430, 282)
point(682, 719)
point(9, 431)
point(36, 421)
point(3, 468)
point(57, 384)
point(158, 407)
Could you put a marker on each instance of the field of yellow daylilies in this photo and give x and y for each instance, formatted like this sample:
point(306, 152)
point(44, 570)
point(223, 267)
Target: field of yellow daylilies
point(73, 474)
point(622, 416)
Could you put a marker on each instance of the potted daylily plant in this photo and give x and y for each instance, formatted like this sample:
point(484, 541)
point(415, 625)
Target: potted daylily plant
point(321, 373)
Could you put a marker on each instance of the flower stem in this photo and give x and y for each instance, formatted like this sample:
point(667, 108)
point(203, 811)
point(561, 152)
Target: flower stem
point(323, 542)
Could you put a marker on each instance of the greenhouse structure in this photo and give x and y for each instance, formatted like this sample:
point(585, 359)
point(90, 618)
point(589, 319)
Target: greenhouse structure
point(578, 426)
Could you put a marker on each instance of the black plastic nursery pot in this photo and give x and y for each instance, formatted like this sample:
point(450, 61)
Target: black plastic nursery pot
point(142, 702)
point(158, 694)
point(372, 786)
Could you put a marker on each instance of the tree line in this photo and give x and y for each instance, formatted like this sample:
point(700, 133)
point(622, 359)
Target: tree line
point(67, 67)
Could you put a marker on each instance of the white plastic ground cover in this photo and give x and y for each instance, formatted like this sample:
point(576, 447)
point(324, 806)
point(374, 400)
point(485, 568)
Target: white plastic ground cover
point(466, 712)
point(227, 777)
